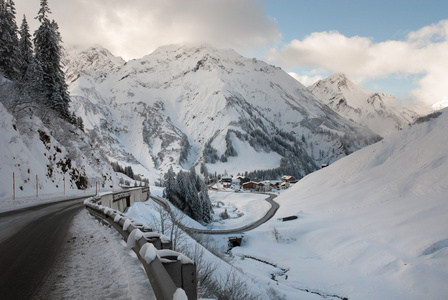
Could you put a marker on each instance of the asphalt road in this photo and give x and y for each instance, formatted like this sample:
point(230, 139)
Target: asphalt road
point(30, 239)
point(268, 216)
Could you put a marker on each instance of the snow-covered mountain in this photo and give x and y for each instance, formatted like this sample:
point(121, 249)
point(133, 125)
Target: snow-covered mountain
point(380, 112)
point(440, 105)
point(187, 105)
point(373, 225)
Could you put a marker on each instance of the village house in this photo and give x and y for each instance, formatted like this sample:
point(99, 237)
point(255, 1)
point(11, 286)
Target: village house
point(227, 179)
point(287, 178)
point(284, 185)
point(249, 185)
point(243, 179)
point(236, 182)
point(264, 186)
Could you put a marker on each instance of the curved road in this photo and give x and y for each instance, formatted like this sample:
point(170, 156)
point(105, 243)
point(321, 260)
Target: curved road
point(271, 212)
point(30, 239)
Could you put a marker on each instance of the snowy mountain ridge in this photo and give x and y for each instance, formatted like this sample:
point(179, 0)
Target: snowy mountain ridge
point(380, 112)
point(186, 105)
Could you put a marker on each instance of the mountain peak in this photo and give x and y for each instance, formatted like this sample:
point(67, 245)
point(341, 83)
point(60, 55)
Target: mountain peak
point(380, 112)
point(94, 58)
point(337, 77)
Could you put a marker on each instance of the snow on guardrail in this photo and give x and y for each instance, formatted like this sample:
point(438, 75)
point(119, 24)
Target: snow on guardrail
point(172, 274)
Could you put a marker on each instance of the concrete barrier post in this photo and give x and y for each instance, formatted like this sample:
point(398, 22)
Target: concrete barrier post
point(189, 280)
point(174, 269)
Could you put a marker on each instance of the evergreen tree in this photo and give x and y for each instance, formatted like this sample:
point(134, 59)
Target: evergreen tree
point(181, 190)
point(170, 183)
point(192, 199)
point(204, 170)
point(9, 42)
point(207, 210)
point(48, 53)
point(73, 118)
point(80, 123)
point(25, 48)
point(129, 172)
point(184, 149)
point(195, 179)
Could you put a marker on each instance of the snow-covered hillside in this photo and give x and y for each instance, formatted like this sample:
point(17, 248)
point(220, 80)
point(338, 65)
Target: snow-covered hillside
point(373, 225)
point(56, 152)
point(380, 112)
point(184, 105)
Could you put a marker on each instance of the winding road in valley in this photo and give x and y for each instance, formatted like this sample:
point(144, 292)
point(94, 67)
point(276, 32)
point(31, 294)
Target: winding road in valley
point(30, 242)
point(271, 212)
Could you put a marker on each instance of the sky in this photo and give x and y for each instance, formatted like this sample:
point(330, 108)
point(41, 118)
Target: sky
point(394, 46)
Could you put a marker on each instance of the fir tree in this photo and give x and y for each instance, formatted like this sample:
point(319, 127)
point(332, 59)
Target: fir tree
point(25, 48)
point(80, 123)
point(170, 183)
point(48, 53)
point(181, 190)
point(9, 42)
point(207, 210)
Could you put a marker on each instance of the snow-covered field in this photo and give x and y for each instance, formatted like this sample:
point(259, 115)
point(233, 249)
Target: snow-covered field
point(243, 209)
point(374, 225)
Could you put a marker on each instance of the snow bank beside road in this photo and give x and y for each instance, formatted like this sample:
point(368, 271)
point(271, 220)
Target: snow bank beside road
point(95, 264)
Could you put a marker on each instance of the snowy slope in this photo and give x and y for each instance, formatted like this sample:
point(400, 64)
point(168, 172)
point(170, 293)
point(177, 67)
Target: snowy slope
point(177, 105)
point(51, 151)
point(373, 225)
point(440, 105)
point(380, 112)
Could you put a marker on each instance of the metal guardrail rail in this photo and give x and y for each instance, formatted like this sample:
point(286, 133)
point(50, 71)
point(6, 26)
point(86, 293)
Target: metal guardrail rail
point(171, 274)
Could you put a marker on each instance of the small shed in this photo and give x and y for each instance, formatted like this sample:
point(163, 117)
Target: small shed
point(235, 241)
point(289, 218)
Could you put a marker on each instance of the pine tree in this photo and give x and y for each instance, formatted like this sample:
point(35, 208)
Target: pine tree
point(25, 48)
point(80, 123)
point(207, 210)
point(170, 183)
point(204, 170)
point(48, 53)
point(129, 172)
point(192, 199)
point(9, 42)
point(194, 179)
point(181, 190)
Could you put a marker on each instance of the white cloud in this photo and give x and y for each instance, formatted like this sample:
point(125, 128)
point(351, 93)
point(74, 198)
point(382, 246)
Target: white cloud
point(306, 80)
point(424, 52)
point(134, 28)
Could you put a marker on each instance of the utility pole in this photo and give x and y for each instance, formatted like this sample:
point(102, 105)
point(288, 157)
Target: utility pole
point(13, 186)
point(37, 187)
